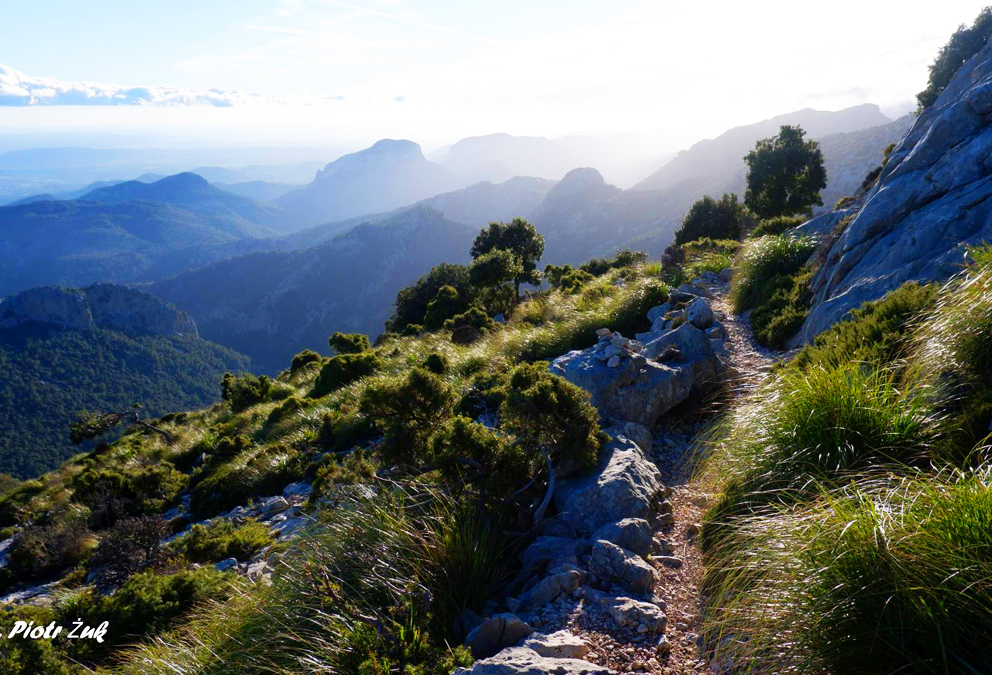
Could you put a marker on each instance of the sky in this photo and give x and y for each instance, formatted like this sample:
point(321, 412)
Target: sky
point(311, 72)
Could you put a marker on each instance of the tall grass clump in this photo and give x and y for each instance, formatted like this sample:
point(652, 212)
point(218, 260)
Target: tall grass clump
point(377, 587)
point(763, 259)
point(886, 576)
point(812, 428)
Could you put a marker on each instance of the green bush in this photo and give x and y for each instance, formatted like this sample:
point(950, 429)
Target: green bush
point(783, 309)
point(344, 369)
point(778, 225)
point(129, 547)
point(110, 493)
point(710, 218)
point(261, 474)
point(341, 431)
point(146, 604)
point(40, 551)
point(412, 301)
point(965, 43)
point(436, 363)
point(468, 326)
point(245, 391)
point(222, 539)
point(287, 408)
point(349, 343)
point(303, 359)
point(355, 468)
point(31, 657)
point(599, 266)
point(466, 450)
point(446, 304)
point(409, 411)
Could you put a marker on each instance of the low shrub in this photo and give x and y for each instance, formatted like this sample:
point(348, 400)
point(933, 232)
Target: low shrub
point(222, 539)
point(287, 408)
point(349, 343)
point(129, 547)
point(437, 363)
point(31, 657)
point(716, 219)
point(245, 391)
point(303, 359)
point(252, 474)
point(778, 225)
point(40, 551)
point(344, 369)
point(763, 259)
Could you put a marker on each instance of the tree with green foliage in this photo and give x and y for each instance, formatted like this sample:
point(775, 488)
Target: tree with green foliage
point(304, 358)
point(519, 238)
point(964, 44)
point(245, 391)
point(494, 273)
point(469, 325)
point(708, 217)
point(784, 174)
point(344, 369)
point(412, 301)
point(349, 343)
point(446, 304)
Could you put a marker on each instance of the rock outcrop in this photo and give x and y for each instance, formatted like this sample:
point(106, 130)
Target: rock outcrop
point(932, 200)
point(98, 306)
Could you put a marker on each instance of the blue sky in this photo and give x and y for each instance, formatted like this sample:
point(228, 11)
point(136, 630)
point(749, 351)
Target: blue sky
point(434, 71)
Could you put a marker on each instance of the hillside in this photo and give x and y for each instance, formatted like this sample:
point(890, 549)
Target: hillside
point(271, 305)
point(390, 174)
point(99, 348)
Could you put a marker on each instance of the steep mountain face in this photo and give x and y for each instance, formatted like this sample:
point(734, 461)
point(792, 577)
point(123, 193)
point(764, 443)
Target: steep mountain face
point(75, 243)
point(193, 192)
point(274, 304)
point(380, 178)
point(723, 154)
point(931, 202)
point(104, 347)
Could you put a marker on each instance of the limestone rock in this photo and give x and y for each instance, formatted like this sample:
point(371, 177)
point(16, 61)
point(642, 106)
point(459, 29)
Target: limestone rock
point(627, 611)
point(274, 505)
point(726, 274)
point(695, 355)
point(628, 569)
point(561, 581)
point(659, 310)
point(931, 201)
point(228, 564)
point(495, 633)
point(632, 534)
point(560, 644)
point(625, 484)
point(699, 313)
point(550, 549)
point(525, 661)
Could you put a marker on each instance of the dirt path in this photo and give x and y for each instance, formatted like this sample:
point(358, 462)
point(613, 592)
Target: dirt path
point(673, 450)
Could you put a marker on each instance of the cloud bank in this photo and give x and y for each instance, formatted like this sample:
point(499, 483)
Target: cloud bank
point(18, 89)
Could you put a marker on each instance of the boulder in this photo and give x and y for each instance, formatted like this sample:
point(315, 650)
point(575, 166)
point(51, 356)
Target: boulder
point(716, 331)
point(638, 433)
point(297, 490)
point(695, 355)
point(693, 289)
point(560, 581)
point(699, 313)
point(719, 347)
point(289, 527)
point(495, 633)
point(625, 484)
point(546, 550)
point(274, 505)
point(659, 310)
point(228, 564)
point(636, 390)
point(726, 274)
point(632, 534)
point(560, 644)
point(627, 569)
point(627, 612)
point(525, 661)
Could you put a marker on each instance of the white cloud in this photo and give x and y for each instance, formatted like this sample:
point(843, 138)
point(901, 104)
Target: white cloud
point(18, 89)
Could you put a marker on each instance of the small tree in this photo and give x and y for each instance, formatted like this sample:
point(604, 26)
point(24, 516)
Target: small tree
point(520, 238)
point(412, 301)
point(130, 546)
point(245, 391)
point(494, 273)
point(343, 369)
point(349, 343)
point(784, 175)
point(447, 303)
point(964, 44)
point(708, 217)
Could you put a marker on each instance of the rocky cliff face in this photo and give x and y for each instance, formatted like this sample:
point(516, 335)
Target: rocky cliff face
point(931, 201)
point(98, 306)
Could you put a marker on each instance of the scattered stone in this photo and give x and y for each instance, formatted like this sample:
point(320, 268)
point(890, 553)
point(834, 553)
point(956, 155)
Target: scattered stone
point(658, 311)
point(666, 519)
point(560, 644)
point(274, 505)
point(525, 661)
point(496, 633)
point(562, 580)
point(627, 611)
point(224, 565)
point(726, 274)
point(628, 569)
point(296, 490)
point(716, 331)
point(632, 534)
point(669, 560)
point(719, 347)
point(692, 530)
point(699, 313)
point(603, 332)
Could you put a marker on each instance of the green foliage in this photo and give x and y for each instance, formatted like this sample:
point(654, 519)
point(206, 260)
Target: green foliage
point(355, 468)
point(760, 262)
point(287, 408)
point(713, 219)
point(40, 551)
point(256, 473)
point(782, 309)
point(436, 363)
point(496, 269)
point(551, 415)
point(245, 391)
point(146, 604)
point(784, 175)
point(474, 319)
point(164, 373)
point(466, 450)
point(519, 238)
point(343, 369)
point(303, 359)
point(777, 225)
point(129, 547)
point(411, 302)
point(222, 539)
point(566, 279)
point(446, 304)
point(349, 343)
point(877, 331)
point(111, 493)
point(30, 657)
point(409, 411)
point(599, 266)
point(964, 43)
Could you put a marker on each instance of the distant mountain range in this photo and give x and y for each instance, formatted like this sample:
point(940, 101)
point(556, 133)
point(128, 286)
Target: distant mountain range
point(101, 348)
point(270, 305)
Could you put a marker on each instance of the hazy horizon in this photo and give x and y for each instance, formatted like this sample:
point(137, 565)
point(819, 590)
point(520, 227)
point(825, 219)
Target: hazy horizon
point(328, 74)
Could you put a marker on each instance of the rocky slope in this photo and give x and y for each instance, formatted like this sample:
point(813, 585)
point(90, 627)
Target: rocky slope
point(930, 203)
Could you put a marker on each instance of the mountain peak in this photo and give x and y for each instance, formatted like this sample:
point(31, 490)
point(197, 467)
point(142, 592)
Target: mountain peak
point(186, 179)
